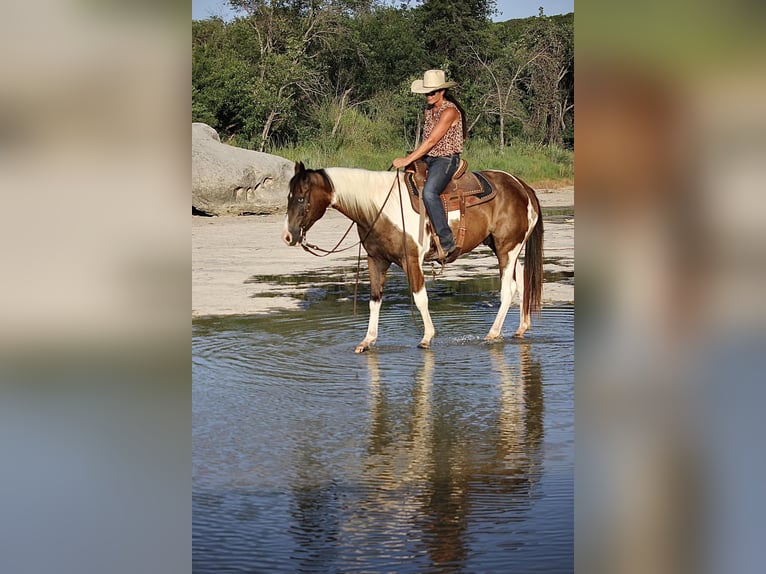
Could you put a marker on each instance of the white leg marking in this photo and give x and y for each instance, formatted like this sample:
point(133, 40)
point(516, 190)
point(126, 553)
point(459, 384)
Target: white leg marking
point(507, 290)
point(372, 328)
point(421, 302)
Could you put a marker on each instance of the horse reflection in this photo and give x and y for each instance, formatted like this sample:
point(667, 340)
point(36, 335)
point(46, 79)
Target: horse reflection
point(427, 468)
point(433, 464)
point(520, 417)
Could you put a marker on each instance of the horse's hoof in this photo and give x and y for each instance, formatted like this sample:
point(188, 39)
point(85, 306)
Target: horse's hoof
point(424, 345)
point(360, 349)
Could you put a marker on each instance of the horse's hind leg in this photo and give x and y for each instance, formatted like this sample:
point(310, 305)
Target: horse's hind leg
point(378, 269)
point(508, 286)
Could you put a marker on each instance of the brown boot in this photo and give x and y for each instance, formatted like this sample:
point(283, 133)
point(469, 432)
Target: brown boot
point(432, 254)
point(449, 256)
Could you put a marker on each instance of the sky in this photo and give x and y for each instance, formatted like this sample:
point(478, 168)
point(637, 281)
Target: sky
point(202, 9)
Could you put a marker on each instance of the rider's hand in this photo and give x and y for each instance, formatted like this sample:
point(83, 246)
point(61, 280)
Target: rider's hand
point(400, 162)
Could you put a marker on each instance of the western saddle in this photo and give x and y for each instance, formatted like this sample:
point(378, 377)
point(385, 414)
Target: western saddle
point(463, 191)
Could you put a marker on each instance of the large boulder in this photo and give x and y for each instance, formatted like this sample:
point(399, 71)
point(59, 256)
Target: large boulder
point(228, 180)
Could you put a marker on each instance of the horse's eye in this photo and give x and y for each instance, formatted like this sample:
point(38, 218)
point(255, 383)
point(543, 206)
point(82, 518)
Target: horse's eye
point(301, 200)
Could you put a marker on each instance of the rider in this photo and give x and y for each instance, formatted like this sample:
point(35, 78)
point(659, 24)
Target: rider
point(443, 134)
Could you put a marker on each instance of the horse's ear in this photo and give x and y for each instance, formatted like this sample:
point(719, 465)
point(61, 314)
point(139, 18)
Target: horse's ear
point(299, 167)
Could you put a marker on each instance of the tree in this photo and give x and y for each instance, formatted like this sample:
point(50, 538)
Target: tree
point(292, 69)
point(503, 72)
point(448, 26)
point(550, 86)
point(286, 37)
point(221, 82)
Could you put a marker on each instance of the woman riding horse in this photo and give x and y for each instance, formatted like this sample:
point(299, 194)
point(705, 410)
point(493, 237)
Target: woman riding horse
point(443, 133)
point(388, 228)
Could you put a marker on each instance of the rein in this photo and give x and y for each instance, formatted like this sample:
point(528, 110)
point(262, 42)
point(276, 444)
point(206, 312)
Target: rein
point(317, 251)
point(404, 239)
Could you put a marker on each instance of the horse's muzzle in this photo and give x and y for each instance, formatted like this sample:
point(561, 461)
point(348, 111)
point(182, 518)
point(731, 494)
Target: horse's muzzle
point(291, 237)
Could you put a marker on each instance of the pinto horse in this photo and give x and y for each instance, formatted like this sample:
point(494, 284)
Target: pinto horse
point(386, 220)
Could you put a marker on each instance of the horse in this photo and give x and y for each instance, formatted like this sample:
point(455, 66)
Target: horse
point(388, 227)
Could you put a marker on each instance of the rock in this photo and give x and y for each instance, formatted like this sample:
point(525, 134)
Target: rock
point(228, 180)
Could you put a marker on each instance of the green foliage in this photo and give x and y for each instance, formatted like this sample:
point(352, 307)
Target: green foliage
point(328, 81)
point(448, 26)
point(533, 163)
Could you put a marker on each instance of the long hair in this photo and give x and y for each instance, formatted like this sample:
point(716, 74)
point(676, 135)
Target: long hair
point(450, 98)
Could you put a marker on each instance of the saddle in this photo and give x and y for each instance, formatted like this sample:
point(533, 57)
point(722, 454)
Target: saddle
point(463, 191)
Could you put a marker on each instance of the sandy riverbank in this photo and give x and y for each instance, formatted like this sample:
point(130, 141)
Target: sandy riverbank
point(229, 252)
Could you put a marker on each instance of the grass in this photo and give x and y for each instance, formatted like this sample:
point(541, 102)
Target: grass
point(539, 166)
point(317, 155)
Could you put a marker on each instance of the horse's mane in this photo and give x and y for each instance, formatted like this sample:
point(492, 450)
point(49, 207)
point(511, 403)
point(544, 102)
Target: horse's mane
point(358, 192)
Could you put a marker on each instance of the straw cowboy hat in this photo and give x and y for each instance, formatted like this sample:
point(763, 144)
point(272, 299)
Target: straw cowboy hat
point(432, 80)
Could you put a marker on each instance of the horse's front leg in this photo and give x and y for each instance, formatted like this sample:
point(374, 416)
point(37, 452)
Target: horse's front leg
point(414, 272)
point(378, 269)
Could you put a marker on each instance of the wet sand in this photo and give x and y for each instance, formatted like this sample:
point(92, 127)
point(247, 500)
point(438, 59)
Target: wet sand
point(227, 252)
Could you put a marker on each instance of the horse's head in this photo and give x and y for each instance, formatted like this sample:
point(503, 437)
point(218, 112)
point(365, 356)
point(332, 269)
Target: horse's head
point(310, 195)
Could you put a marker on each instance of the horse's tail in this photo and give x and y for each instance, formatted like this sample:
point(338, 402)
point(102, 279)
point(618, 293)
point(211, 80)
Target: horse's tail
point(533, 266)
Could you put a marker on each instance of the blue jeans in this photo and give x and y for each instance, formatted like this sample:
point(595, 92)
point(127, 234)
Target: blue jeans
point(440, 171)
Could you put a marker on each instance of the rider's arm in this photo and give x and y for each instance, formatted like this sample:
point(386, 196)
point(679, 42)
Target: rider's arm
point(448, 117)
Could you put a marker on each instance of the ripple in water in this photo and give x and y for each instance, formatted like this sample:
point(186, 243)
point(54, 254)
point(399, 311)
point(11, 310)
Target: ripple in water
point(309, 458)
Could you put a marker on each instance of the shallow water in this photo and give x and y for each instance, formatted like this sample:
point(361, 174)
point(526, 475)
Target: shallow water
point(309, 458)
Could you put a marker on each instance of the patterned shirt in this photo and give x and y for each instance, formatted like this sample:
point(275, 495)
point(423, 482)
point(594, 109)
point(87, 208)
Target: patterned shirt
point(452, 141)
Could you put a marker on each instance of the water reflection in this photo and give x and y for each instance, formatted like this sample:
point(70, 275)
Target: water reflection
point(521, 410)
point(434, 468)
point(309, 458)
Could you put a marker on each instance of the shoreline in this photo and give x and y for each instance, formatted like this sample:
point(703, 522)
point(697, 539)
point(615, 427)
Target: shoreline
point(233, 258)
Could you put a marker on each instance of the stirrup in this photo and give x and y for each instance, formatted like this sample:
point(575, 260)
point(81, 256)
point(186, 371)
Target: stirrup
point(451, 256)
